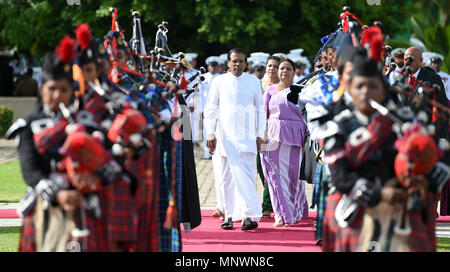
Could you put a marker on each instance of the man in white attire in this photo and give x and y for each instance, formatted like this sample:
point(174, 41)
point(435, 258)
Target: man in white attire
point(235, 100)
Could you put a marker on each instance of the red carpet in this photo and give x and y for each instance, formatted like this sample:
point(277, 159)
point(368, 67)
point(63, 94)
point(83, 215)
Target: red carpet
point(443, 219)
point(209, 237)
point(8, 214)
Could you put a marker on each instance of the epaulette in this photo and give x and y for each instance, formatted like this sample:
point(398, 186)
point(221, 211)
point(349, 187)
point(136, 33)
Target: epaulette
point(311, 80)
point(40, 124)
point(18, 125)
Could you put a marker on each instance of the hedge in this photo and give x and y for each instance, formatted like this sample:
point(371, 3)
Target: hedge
point(6, 119)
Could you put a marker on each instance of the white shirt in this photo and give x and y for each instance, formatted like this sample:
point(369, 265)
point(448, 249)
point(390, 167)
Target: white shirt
point(237, 104)
point(396, 73)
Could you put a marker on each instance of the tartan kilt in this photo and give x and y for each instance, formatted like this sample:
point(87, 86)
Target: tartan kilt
point(146, 171)
point(423, 233)
point(122, 213)
point(97, 241)
point(335, 238)
point(27, 233)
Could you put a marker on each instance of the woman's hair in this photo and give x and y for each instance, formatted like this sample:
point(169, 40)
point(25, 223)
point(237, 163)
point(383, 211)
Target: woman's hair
point(275, 58)
point(288, 60)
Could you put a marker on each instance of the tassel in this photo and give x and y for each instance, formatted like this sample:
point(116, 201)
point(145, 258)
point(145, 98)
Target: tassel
point(435, 115)
point(171, 215)
point(183, 82)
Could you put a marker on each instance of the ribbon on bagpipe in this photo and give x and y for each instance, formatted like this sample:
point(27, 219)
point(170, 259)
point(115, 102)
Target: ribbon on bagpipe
point(172, 212)
point(114, 73)
point(168, 64)
point(114, 20)
point(344, 17)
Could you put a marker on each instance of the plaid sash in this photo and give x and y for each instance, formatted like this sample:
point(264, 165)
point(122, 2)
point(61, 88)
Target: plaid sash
point(359, 148)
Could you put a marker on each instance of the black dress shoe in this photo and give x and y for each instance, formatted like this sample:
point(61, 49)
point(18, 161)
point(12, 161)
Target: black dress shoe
point(249, 224)
point(227, 225)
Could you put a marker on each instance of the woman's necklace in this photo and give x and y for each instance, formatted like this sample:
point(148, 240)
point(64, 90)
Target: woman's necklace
point(272, 82)
point(281, 87)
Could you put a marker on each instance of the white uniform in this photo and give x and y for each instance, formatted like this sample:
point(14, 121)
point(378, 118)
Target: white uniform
point(237, 105)
point(205, 86)
point(446, 80)
point(194, 100)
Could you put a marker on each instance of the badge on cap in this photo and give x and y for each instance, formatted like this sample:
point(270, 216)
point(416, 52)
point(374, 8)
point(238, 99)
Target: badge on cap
point(66, 68)
point(101, 49)
point(120, 41)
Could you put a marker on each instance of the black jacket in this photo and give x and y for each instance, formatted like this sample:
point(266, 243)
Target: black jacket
point(34, 166)
point(429, 77)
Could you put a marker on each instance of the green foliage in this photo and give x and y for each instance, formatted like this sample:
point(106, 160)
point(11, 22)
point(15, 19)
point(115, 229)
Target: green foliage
point(431, 26)
point(6, 118)
point(210, 27)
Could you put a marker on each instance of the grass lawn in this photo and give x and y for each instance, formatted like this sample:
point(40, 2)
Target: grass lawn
point(443, 244)
point(9, 239)
point(12, 186)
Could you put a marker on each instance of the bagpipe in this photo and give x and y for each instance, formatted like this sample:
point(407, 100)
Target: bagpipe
point(386, 227)
point(130, 96)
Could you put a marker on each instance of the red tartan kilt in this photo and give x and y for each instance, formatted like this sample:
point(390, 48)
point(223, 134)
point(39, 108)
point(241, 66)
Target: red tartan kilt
point(146, 171)
point(27, 233)
point(335, 238)
point(423, 235)
point(122, 213)
point(148, 200)
point(97, 241)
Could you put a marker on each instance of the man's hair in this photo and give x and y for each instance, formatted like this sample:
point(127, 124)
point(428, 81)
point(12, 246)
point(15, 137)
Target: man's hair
point(30, 71)
point(299, 65)
point(237, 51)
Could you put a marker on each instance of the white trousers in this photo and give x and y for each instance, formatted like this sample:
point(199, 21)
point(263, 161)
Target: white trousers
point(237, 184)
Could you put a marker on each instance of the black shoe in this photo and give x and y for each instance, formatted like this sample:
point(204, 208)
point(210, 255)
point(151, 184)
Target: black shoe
point(227, 225)
point(249, 224)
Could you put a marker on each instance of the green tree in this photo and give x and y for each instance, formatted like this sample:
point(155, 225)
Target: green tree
point(208, 27)
point(431, 26)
